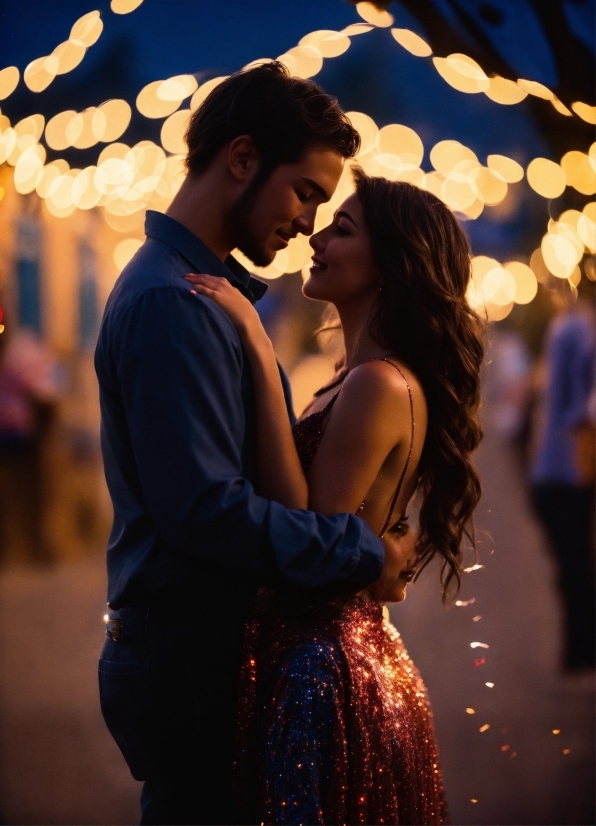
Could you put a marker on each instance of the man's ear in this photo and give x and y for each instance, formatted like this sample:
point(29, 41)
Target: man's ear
point(243, 158)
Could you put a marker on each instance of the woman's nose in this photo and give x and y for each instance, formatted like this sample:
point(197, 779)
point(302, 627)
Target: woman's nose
point(316, 241)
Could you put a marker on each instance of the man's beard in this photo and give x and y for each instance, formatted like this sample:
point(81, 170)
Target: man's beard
point(240, 221)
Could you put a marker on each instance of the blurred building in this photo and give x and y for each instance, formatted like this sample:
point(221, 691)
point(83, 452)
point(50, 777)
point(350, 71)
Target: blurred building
point(55, 276)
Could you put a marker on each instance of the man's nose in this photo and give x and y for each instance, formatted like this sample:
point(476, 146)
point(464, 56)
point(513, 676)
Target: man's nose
point(305, 222)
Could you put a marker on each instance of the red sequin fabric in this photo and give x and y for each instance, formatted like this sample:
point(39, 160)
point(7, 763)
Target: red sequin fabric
point(335, 725)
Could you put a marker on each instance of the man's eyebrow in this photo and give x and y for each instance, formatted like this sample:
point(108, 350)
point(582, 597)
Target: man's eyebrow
point(317, 187)
point(342, 214)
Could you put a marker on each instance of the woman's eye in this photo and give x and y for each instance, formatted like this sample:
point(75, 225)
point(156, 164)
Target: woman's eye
point(340, 230)
point(400, 528)
point(302, 196)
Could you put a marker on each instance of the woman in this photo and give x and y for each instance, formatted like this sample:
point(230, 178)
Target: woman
point(335, 726)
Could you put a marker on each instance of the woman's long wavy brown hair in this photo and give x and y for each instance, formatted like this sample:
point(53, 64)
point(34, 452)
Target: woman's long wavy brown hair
point(422, 316)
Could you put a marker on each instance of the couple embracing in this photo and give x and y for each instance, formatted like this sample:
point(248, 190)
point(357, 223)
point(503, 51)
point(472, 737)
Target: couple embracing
point(248, 673)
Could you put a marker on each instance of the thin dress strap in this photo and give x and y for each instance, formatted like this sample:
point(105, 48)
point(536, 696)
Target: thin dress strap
point(405, 470)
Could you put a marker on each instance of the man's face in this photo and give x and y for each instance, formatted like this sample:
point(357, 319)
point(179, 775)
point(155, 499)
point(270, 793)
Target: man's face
point(266, 217)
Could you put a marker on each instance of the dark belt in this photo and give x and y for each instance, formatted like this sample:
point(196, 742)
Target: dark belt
point(130, 626)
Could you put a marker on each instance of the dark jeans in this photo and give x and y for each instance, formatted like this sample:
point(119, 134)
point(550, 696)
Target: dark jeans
point(170, 704)
point(567, 513)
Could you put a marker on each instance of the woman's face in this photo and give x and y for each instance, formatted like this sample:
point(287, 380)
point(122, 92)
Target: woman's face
point(398, 570)
point(343, 270)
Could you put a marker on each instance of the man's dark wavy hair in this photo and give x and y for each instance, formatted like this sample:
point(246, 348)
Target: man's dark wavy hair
point(422, 316)
point(285, 116)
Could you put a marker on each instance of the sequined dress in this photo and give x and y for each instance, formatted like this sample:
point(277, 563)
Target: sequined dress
point(335, 725)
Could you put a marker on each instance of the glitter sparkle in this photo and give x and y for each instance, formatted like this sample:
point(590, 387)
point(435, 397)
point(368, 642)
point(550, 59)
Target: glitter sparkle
point(337, 675)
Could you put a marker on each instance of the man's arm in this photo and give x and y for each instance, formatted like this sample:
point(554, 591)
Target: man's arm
point(179, 366)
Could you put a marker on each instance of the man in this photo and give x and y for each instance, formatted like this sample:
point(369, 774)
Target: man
point(563, 470)
point(192, 540)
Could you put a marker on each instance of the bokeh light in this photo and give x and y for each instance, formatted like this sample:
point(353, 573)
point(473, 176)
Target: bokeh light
point(173, 131)
point(403, 142)
point(32, 125)
point(561, 108)
point(463, 73)
point(579, 172)
point(507, 168)
point(526, 284)
point(204, 90)
point(532, 87)
point(368, 129)
point(491, 186)
point(373, 15)
point(586, 226)
point(546, 178)
point(40, 73)
point(151, 105)
point(412, 42)
point(302, 61)
point(9, 80)
point(55, 134)
point(446, 154)
point(584, 111)
point(124, 6)
point(69, 54)
point(87, 29)
point(505, 92)
point(327, 43)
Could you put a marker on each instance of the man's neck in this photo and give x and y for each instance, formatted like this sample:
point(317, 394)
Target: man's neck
point(199, 207)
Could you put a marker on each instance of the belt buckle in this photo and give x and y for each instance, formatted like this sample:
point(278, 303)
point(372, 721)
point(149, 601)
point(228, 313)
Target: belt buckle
point(114, 629)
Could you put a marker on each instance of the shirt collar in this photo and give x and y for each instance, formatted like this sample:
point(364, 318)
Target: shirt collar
point(172, 232)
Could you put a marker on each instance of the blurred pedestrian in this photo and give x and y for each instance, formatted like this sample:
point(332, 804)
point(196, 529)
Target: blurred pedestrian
point(563, 469)
point(29, 388)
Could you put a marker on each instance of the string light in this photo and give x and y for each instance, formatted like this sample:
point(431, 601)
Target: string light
point(327, 43)
point(584, 111)
point(464, 74)
point(127, 180)
point(9, 80)
point(412, 42)
point(503, 91)
point(66, 56)
point(124, 6)
point(371, 14)
point(532, 87)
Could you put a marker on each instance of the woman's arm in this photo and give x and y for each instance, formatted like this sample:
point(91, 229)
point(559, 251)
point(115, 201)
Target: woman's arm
point(280, 474)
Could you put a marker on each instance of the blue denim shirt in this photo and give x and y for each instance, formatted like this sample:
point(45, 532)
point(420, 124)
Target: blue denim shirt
point(178, 442)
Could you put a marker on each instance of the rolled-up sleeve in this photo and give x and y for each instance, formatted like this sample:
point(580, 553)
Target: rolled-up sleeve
point(178, 365)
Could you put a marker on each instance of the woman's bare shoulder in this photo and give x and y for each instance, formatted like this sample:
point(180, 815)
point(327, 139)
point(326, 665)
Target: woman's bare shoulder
point(381, 382)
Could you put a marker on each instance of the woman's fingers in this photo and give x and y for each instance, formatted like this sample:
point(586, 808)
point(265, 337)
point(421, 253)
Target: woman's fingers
point(203, 279)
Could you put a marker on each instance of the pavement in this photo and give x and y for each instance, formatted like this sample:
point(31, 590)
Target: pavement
point(526, 753)
point(58, 764)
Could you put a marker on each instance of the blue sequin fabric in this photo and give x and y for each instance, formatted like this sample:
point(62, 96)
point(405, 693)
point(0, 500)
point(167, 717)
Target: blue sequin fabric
point(335, 726)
